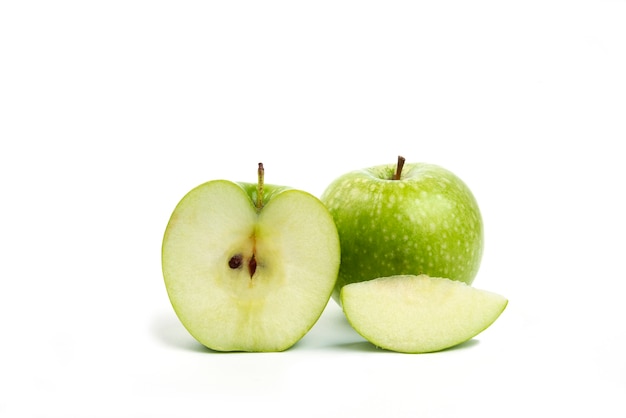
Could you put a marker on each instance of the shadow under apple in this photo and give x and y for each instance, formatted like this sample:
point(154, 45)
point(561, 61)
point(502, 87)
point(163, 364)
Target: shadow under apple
point(366, 346)
point(168, 330)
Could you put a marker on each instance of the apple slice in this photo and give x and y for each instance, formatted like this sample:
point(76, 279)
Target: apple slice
point(418, 314)
point(249, 267)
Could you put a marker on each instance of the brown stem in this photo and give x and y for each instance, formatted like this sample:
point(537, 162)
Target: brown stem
point(259, 187)
point(398, 172)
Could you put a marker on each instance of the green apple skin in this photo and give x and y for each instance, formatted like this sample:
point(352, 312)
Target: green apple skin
point(296, 250)
point(427, 222)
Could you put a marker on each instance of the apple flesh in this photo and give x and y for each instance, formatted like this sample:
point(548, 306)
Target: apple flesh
point(405, 219)
point(246, 276)
point(419, 314)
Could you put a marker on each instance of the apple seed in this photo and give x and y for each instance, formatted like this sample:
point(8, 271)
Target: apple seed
point(236, 261)
point(252, 266)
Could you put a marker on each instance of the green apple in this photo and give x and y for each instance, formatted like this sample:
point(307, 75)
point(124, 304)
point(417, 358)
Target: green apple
point(405, 219)
point(249, 267)
point(418, 314)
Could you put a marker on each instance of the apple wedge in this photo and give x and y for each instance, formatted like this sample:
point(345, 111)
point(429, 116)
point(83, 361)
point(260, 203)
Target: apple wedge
point(419, 314)
point(249, 267)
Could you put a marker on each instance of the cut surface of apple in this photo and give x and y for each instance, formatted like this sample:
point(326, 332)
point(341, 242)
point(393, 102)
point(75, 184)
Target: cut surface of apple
point(419, 314)
point(244, 278)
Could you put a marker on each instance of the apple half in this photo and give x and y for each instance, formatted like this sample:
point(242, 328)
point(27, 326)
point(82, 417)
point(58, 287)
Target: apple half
point(419, 314)
point(249, 267)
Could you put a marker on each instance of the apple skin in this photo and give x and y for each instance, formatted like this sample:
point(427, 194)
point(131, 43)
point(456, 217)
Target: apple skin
point(427, 222)
point(269, 191)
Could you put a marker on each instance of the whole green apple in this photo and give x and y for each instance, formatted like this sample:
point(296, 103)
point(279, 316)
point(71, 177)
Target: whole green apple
point(249, 267)
point(405, 219)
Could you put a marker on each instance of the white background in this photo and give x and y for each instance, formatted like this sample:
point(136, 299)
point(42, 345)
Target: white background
point(111, 111)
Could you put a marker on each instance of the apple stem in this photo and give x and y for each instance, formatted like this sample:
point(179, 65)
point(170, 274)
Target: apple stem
point(259, 189)
point(398, 173)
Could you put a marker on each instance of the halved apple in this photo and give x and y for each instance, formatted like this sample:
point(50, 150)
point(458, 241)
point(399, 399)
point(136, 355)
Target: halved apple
point(418, 314)
point(249, 267)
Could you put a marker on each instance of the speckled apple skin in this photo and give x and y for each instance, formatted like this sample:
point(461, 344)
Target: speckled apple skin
point(428, 222)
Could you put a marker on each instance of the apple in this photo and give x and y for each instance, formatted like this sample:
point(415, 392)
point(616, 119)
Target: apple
point(419, 314)
point(405, 219)
point(249, 267)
